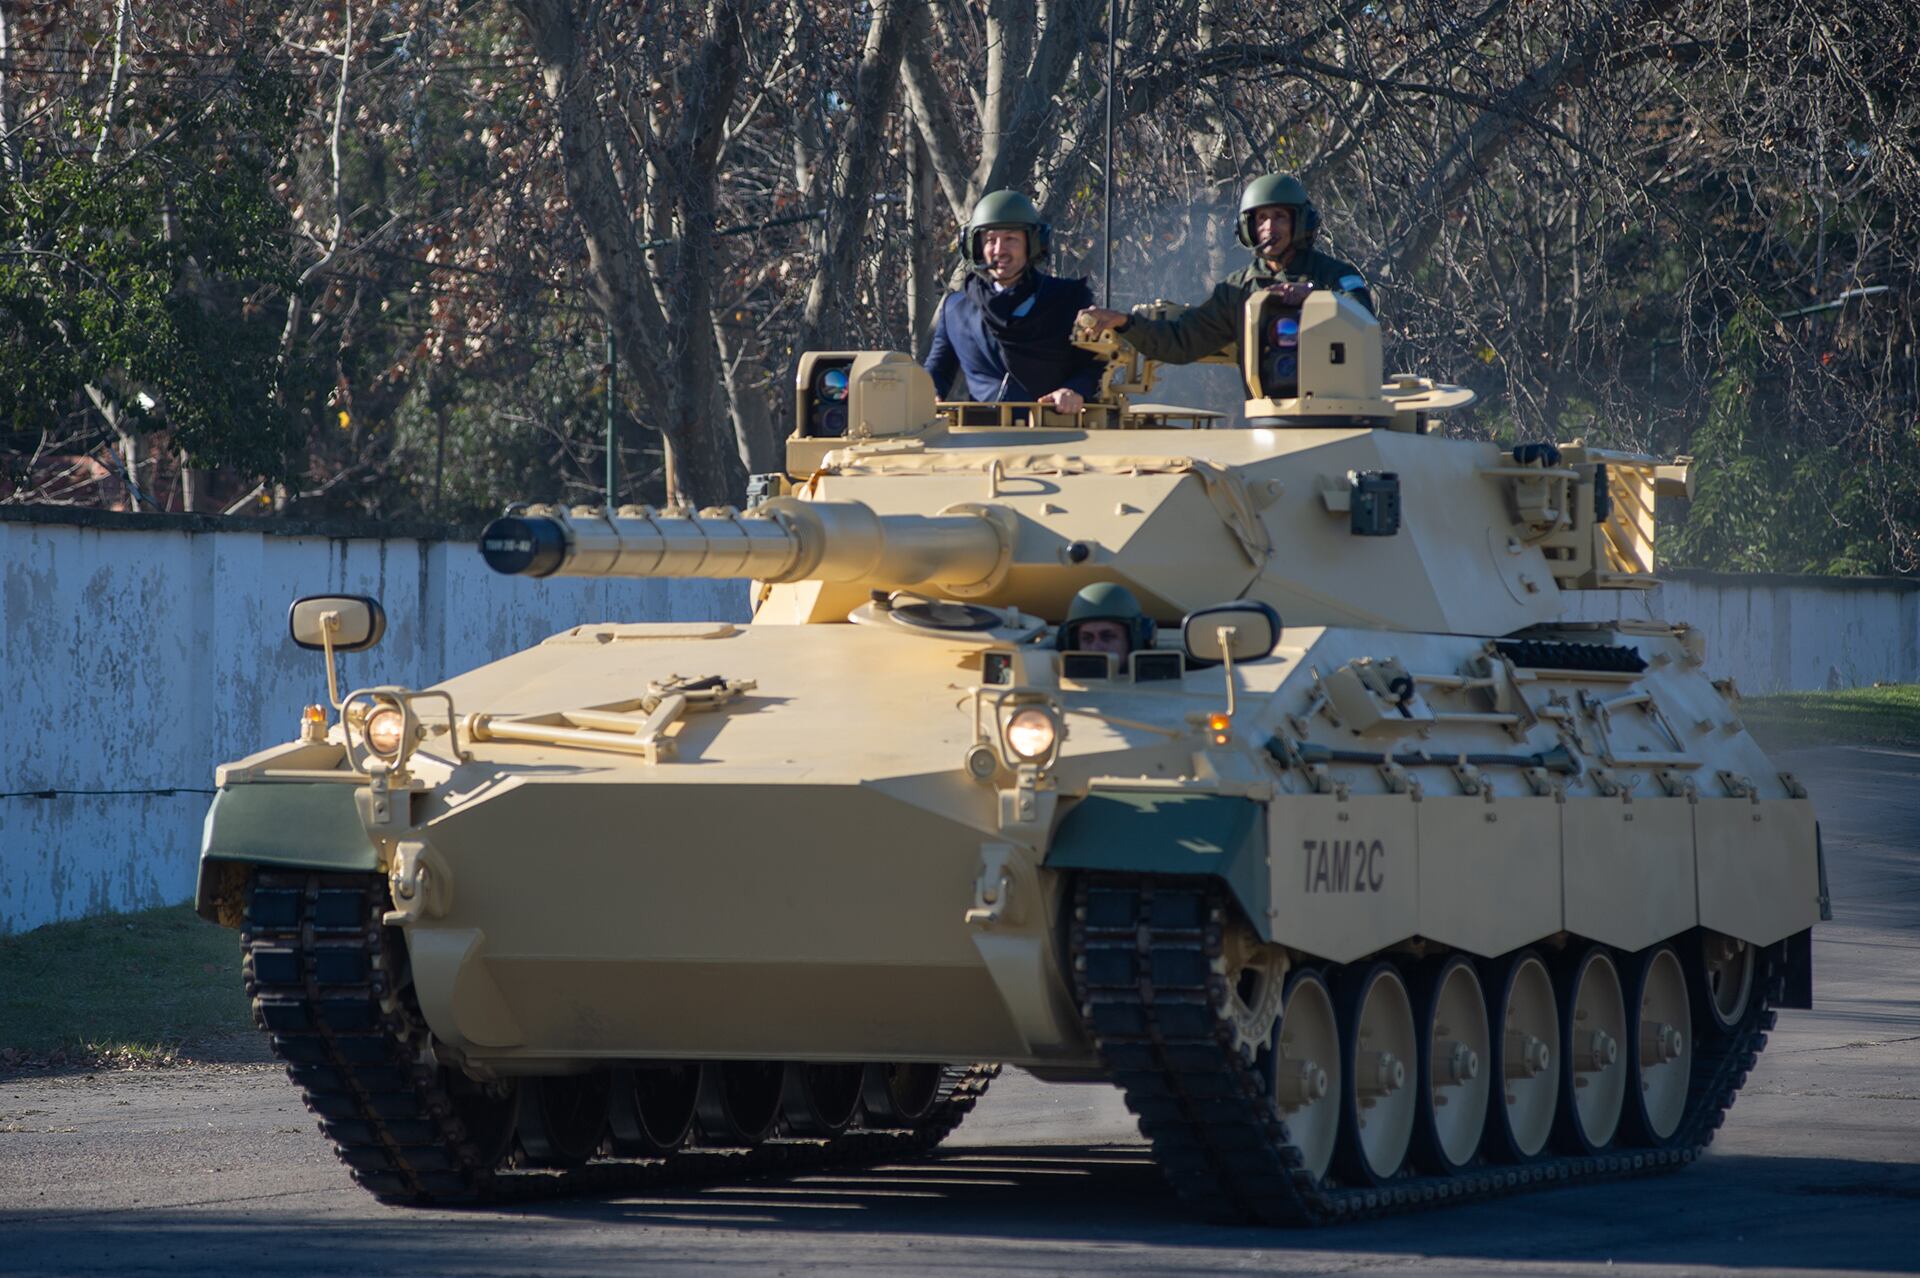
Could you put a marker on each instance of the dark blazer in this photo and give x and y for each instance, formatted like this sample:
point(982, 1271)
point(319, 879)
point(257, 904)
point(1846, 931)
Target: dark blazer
point(1012, 345)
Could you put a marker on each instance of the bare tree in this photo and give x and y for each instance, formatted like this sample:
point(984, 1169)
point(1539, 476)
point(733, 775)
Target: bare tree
point(1608, 216)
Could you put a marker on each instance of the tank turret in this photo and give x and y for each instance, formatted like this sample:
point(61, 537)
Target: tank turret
point(1333, 507)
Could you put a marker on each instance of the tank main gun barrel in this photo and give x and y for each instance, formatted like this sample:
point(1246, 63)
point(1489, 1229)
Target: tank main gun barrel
point(783, 539)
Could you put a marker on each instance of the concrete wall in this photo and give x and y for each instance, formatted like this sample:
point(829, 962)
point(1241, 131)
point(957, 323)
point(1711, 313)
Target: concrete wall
point(1777, 633)
point(136, 652)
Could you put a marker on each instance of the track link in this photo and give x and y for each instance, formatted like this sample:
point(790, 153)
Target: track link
point(327, 981)
point(1146, 958)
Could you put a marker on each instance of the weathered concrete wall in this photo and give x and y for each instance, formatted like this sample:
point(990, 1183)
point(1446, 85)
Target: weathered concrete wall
point(136, 652)
point(1776, 633)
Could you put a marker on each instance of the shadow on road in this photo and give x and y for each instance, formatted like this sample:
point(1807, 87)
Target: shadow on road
point(1829, 1212)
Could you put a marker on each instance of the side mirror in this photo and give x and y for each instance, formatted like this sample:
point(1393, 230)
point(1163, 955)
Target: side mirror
point(359, 622)
point(1255, 632)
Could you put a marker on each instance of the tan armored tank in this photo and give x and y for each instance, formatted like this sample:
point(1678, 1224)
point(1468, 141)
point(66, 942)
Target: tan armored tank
point(1427, 895)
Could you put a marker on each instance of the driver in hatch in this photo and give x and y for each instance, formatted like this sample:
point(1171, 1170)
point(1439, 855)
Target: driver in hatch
point(1105, 617)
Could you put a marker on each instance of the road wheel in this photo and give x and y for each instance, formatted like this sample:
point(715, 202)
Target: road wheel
point(1725, 977)
point(1525, 1022)
point(1305, 1063)
point(1659, 1047)
point(1593, 1073)
point(899, 1093)
point(563, 1119)
point(1455, 1065)
point(653, 1108)
point(740, 1101)
point(1379, 1060)
point(821, 1099)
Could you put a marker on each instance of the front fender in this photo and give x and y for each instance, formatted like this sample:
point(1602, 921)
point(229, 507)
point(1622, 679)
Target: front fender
point(300, 825)
point(1172, 833)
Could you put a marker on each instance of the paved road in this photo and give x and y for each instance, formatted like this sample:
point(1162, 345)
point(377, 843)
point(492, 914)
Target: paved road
point(219, 1170)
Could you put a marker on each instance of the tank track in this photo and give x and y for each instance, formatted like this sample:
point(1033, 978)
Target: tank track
point(1145, 953)
point(323, 971)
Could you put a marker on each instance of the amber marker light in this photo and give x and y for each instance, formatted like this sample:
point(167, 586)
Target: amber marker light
point(1220, 727)
point(313, 724)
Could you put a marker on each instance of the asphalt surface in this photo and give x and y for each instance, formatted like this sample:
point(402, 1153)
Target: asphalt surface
point(218, 1168)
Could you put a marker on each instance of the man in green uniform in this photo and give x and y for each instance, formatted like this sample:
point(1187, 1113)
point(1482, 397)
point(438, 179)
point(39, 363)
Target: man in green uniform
point(1278, 222)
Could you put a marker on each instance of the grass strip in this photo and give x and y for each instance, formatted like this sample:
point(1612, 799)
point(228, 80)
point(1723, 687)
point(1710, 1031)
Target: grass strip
point(119, 988)
point(1884, 715)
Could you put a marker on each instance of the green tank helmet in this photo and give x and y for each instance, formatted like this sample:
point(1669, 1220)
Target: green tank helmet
point(997, 209)
point(1284, 189)
point(1106, 601)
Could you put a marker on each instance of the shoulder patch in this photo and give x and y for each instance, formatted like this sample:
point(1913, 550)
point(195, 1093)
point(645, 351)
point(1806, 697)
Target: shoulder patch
point(1348, 283)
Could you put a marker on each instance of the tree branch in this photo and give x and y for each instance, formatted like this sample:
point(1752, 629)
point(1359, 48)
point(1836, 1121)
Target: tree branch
point(1479, 144)
point(294, 298)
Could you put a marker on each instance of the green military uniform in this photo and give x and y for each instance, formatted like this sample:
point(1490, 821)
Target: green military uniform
point(1215, 323)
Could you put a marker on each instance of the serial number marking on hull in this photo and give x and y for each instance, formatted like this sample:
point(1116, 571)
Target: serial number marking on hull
point(1344, 865)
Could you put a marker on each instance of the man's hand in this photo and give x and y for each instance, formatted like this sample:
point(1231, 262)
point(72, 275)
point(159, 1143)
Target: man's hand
point(1097, 320)
point(1064, 401)
point(1291, 293)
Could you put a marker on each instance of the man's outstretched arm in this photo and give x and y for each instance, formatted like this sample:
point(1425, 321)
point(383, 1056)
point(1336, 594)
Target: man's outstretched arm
point(1199, 332)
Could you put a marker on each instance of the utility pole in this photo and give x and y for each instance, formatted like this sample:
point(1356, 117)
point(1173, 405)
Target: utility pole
point(613, 449)
point(1106, 198)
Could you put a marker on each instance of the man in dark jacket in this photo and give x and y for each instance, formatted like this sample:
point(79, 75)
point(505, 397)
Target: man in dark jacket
point(1006, 331)
point(1278, 222)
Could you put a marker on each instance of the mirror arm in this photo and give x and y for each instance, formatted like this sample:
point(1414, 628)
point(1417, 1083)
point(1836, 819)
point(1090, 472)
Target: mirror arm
point(330, 622)
point(1226, 635)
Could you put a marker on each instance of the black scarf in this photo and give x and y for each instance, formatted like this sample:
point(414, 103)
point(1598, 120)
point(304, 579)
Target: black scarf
point(1032, 337)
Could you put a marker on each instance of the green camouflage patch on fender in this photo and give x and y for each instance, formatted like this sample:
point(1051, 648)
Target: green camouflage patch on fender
point(1168, 832)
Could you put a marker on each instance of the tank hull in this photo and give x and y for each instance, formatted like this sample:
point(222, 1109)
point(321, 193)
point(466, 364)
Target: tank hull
point(797, 881)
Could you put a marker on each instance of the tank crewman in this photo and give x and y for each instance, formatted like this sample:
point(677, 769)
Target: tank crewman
point(1007, 329)
point(1105, 617)
point(1278, 222)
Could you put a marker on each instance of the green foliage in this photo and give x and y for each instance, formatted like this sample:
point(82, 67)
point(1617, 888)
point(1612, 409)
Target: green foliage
point(131, 275)
point(536, 432)
point(140, 984)
point(1772, 497)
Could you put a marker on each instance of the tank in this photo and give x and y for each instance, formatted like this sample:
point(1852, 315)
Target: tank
point(1371, 877)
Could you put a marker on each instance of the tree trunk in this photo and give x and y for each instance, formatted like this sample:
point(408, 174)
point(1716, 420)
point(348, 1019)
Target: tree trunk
point(1035, 121)
point(667, 341)
point(856, 176)
point(9, 145)
point(933, 115)
point(756, 435)
point(926, 238)
point(193, 483)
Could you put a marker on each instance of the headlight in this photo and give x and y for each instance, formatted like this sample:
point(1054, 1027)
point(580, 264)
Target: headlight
point(384, 728)
point(1031, 733)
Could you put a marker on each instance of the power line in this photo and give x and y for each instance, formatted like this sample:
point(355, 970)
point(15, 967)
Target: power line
point(162, 791)
point(14, 66)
